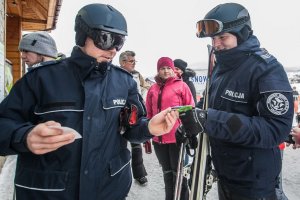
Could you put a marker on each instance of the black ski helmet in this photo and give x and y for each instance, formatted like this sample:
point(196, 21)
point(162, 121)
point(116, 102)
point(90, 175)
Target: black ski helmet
point(237, 16)
point(98, 17)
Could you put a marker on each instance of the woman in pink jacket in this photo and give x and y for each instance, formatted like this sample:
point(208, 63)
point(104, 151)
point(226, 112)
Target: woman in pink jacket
point(168, 91)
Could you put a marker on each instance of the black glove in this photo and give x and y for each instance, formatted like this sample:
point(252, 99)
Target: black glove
point(180, 136)
point(193, 121)
point(189, 142)
point(192, 143)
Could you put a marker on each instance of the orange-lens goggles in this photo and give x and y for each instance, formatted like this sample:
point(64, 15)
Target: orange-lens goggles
point(208, 27)
point(212, 27)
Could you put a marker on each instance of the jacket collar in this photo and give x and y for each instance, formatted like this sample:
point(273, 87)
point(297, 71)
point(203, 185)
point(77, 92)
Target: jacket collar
point(161, 82)
point(85, 63)
point(232, 58)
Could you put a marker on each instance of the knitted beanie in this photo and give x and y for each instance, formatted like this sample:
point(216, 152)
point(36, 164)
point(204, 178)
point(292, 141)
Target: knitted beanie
point(180, 64)
point(39, 42)
point(165, 62)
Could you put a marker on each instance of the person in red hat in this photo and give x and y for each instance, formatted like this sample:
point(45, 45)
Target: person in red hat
point(168, 91)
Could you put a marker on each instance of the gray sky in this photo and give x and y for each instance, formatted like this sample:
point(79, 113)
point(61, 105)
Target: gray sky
point(159, 28)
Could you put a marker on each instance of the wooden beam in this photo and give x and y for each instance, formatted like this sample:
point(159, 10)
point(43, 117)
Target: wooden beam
point(14, 7)
point(35, 21)
point(13, 36)
point(33, 27)
point(23, 2)
point(51, 13)
point(13, 54)
point(39, 10)
point(20, 6)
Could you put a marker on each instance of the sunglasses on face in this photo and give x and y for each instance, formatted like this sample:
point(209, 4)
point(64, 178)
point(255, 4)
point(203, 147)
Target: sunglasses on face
point(212, 27)
point(106, 40)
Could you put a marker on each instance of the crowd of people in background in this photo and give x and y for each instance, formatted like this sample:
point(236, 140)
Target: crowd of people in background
point(113, 105)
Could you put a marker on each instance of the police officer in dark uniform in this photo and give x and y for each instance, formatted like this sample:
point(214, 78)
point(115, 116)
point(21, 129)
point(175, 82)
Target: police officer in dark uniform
point(88, 94)
point(250, 107)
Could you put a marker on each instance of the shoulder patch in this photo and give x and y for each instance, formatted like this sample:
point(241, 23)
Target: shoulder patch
point(277, 103)
point(120, 68)
point(43, 64)
point(264, 55)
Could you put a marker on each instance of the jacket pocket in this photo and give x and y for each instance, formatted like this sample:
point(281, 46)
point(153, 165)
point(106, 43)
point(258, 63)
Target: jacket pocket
point(236, 164)
point(41, 180)
point(118, 163)
point(58, 106)
point(65, 112)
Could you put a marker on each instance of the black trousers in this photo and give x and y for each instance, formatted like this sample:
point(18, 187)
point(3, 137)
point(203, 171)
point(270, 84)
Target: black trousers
point(137, 163)
point(226, 194)
point(168, 155)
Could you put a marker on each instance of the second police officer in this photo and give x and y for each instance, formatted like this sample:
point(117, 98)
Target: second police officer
point(250, 107)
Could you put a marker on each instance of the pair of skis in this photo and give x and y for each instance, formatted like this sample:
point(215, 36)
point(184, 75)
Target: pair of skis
point(203, 175)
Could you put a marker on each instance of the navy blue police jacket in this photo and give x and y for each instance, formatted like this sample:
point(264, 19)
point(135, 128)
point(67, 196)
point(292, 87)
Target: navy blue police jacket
point(76, 94)
point(250, 113)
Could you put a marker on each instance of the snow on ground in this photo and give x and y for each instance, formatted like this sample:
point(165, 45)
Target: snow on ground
point(291, 173)
point(7, 177)
point(155, 188)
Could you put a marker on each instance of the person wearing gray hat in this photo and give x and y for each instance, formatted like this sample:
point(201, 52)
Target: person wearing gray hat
point(37, 47)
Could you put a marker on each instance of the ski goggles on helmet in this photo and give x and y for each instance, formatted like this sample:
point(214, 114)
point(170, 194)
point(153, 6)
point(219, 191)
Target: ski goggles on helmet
point(212, 27)
point(106, 40)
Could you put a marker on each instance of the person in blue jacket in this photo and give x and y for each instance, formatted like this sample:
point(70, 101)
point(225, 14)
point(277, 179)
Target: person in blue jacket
point(84, 92)
point(250, 107)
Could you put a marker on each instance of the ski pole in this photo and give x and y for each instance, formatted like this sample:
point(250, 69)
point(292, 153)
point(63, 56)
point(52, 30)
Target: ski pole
point(179, 174)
